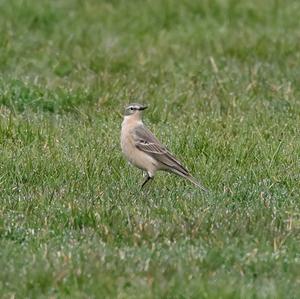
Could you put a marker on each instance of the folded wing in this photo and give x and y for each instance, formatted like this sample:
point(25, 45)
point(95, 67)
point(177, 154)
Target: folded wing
point(148, 143)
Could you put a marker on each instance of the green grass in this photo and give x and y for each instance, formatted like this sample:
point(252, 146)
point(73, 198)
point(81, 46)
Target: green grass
point(222, 81)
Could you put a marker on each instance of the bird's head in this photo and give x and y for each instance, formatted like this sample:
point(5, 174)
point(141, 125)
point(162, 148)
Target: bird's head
point(134, 108)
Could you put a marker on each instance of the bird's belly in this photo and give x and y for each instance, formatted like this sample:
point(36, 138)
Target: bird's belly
point(137, 157)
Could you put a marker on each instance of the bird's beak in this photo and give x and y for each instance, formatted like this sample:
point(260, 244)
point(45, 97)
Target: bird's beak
point(143, 107)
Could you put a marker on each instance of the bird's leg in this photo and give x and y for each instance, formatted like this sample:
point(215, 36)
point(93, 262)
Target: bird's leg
point(147, 179)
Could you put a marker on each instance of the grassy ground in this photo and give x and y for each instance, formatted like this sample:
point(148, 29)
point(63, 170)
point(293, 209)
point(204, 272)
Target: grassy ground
point(222, 81)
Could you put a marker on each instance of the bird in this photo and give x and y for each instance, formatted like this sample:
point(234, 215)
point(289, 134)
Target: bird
point(143, 150)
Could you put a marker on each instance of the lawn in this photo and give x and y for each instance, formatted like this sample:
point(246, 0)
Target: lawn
point(222, 81)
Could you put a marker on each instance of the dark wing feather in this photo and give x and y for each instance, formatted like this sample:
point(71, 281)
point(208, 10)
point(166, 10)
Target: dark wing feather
point(148, 143)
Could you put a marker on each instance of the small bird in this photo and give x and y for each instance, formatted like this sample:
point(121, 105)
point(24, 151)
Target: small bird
point(143, 149)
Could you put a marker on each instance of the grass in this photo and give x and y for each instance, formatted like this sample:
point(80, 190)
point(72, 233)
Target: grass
point(222, 81)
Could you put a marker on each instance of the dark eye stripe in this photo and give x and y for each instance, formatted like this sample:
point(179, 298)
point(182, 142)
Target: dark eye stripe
point(135, 107)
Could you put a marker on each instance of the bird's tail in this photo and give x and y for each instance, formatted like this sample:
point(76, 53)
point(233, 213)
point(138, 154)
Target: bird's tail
point(196, 182)
point(173, 165)
point(190, 178)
